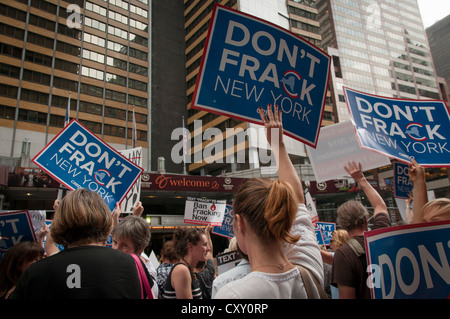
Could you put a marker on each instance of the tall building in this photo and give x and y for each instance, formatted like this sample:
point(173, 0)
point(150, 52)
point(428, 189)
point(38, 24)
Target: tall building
point(304, 21)
point(439, 39)
point(92, 55)
point(378, 47)
point(197, 16)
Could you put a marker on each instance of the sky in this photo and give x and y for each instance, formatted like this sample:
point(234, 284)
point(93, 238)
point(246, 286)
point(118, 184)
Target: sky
point(433, 10)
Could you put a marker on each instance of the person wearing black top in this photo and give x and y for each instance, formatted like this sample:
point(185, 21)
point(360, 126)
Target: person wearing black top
point(86, 268)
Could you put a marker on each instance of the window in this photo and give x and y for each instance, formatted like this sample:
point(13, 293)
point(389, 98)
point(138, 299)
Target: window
point(38, 58)
point(42, 22)
point(32, 116)
point(37, 77)
point(67, 66)
point(8, 91)
point(67, 48)
point(66, 84)
point(93, 39)
point(93, 56)
point(40, 40)
point(11, 31)
point(34, 96)
point(7, 112)
point(9, 70)
point(93, 73)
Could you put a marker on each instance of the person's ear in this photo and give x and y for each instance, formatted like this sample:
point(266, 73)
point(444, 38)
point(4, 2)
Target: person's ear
point(239, 222)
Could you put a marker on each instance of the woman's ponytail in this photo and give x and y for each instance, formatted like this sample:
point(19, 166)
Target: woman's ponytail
point(280, 210)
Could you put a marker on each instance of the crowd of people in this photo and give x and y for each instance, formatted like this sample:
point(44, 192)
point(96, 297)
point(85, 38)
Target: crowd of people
point(273, 232)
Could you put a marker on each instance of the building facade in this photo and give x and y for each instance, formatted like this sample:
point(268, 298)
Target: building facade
point(378, 47)
point(90, 55)
point(439, 39)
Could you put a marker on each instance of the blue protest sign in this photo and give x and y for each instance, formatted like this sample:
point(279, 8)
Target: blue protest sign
point(324, 232)
point(402, 128)
point(319, 237)
point(249, 63)
point(226, 229)
point(402, 183)
point(79, 159)
point(410, 261)
point(15, 227)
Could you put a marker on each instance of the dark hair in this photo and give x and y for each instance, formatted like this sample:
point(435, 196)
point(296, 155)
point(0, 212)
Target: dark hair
point(169, 251)
point(269, 206)
point(183, 236)
point(12, 261)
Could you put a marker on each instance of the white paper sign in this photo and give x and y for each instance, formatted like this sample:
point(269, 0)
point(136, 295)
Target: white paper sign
point(336, 146)
point(133, 196)
point(311, 207)
point(37, 219)
point(204, 211)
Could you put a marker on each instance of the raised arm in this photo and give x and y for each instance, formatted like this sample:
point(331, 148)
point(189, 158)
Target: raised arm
point(409, 213)
point(417, 175)
point(274, 132)
point(306, 251)
point(374, 198)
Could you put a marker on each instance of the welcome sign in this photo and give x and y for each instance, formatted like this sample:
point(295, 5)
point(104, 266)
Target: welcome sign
point(402, 128)
point(79, 159)
point(249, 63)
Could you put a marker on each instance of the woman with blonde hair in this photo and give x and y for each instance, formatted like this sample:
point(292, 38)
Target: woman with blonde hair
point(435, 210)
point(339, 238)
point(86, 268)
point(424, 210)
point(269, 219)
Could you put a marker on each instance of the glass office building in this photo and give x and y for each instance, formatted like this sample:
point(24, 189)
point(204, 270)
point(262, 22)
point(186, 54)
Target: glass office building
point(378, 47)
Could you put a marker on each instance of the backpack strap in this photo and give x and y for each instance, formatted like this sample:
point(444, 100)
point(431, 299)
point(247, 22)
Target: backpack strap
point(356, 246)
point(309, 281)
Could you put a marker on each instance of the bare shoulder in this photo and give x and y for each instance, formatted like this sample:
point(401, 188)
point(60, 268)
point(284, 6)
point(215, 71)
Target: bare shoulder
point(180, 270)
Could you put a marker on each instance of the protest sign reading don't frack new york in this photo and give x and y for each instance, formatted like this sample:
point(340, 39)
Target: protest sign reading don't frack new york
point(249, 63)
point(402, 128)
point(79, 159)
